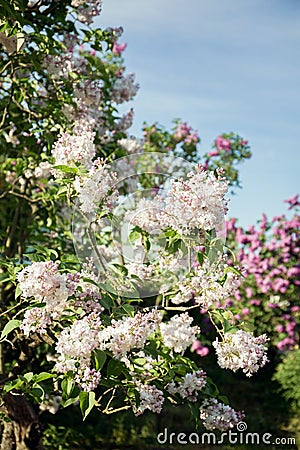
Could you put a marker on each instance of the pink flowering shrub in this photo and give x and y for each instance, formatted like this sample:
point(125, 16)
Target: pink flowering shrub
point(268, 295)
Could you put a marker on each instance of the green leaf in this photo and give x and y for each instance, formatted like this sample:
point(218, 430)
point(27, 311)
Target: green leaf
point(4, 277)
point(114, 368)
point(66, 169)
point(37, 392)
point(10, 385)
point(87, 402)
point(129, 309)
point(133, 236)
point(43, 376)
point(70, 401)
point(9, 327)
point(100, 358)
point(28, 376)
point(67, 386)
point(18, 292)
point(121, 269)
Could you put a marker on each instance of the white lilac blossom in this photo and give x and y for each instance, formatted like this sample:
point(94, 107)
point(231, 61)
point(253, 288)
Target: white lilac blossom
point(87, 9)
point(188, 387)
point(125, 121)
point(76, 343)
point(87, 378)
point(150, 398)
point(39, 279)
point(142, 271)
point(35, 320)
point(59, 66)
point(128, 333)
point(218, 416)
point(43, 170)
point(131, 145)
point(196, 203)
point(124, 89)
point(51, 403)
point(146, 215)
point(72, 149)
point(178, 333)
point(96, 187)
point(203, 285)
point(42, 281)
point(241, 350)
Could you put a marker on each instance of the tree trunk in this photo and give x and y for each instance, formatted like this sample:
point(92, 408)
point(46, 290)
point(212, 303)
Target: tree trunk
point(23, 431)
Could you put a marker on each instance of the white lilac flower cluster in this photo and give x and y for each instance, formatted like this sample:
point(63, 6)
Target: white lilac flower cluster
point(219, 416)
point(124, 89)
point(146, 215)
point(125, 121)
point(150, 398)
point(42, 281)
point(87, 378)
point(241, 350)
point(87, 10)
point(178, 334)
point(51, 403)
point(140, 270)
point(76, 343)
point(188, 387)
point(36, 320)
point(128, 333)
point(204, 287)
point(131, 145)
point(197, 203)
point(43, 170)
point(59, 66)
point(77, 148)
point(96, 187)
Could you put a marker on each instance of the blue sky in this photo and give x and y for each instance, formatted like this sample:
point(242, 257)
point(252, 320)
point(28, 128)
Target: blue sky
point(222, 65)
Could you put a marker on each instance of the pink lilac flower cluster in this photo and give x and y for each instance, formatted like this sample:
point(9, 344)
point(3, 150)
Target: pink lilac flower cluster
point(199, 348)
point(128, 333)
point(150, 398)
point(218, 416)
point(223, 144)
point(178, 334)
point(185, 133)
point(118, 49)
point(269, 293)
point(188, 387)
point(241, 350)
